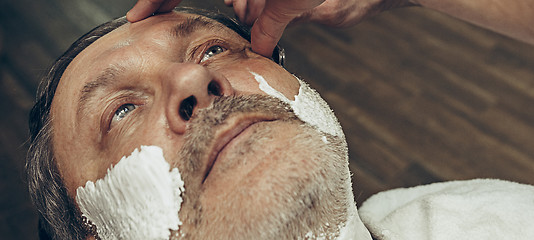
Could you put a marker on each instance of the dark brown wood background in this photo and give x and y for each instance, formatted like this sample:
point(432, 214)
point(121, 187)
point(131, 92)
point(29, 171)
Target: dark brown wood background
point(422, 97)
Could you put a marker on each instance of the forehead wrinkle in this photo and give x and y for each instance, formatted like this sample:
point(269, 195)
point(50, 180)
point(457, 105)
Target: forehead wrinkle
point(192, 24)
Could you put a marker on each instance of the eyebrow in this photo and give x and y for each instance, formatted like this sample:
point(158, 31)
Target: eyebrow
point(192, 24)
point(103, 80)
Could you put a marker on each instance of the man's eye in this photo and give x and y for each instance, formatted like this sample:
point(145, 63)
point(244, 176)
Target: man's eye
point(212, 51)
point(122, 111)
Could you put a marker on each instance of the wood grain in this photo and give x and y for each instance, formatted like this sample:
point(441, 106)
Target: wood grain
point(422, 97)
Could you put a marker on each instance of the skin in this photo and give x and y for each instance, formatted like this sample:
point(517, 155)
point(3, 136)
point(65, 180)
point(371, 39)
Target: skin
point(155, 71)
point(166, 80)
point(269, 18)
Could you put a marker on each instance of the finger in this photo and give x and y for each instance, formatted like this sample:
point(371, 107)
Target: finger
point(240, 9)
point(267, 31)
point(228, 3)
point(169, 5)
point(143, 9)
point(254, 9)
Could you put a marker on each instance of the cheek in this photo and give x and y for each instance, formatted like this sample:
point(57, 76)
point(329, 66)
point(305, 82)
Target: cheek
point(154, 135)
point(141, 190)
point(150, 132)
point(240, 75)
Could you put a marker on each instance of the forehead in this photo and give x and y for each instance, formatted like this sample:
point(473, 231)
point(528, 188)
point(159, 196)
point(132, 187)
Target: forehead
point(129, 44)
point(153, 34)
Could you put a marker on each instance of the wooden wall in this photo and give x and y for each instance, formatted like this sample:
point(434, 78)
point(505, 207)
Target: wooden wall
point(422, 97)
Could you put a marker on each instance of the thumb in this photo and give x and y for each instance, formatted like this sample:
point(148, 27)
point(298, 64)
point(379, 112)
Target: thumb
point(268, 28)
point(142, 9)
point(267, 31)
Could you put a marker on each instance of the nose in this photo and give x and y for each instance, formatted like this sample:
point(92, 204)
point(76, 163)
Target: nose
point(190, 87)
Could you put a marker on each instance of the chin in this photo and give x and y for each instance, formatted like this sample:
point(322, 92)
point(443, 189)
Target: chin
point(289, 181)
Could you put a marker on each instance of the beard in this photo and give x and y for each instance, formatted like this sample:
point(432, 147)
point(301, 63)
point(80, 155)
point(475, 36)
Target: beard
point(282, 180)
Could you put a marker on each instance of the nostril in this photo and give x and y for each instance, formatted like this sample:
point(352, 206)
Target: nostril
point(186, 107)
point(214, 88)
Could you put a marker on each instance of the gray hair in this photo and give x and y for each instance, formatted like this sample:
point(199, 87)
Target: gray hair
point(59, 217)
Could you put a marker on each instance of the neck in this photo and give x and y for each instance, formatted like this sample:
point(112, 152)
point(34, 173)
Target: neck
point(350, 229)
point(353, 228)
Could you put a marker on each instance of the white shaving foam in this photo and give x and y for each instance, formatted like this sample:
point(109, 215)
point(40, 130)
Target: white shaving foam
point(311, 108)
point(308, 106)
point(139, 198)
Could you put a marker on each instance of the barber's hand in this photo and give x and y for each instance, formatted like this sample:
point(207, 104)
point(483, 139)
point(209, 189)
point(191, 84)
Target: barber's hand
point(271, 17)
point(145, 8)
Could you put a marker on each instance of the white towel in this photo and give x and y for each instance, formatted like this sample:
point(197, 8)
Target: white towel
point(474, 209)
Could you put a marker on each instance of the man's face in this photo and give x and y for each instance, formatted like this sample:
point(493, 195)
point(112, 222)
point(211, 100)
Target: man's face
point(154, 83)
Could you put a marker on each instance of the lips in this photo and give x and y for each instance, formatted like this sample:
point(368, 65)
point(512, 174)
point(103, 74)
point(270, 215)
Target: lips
point(227, 133)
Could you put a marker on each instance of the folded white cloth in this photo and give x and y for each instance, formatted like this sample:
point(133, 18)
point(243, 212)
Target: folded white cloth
point(474, 209)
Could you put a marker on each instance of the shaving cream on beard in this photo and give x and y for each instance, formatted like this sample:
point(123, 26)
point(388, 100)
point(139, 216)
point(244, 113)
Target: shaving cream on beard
point(308, 106)
point(139, 198)
point(311, 108)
